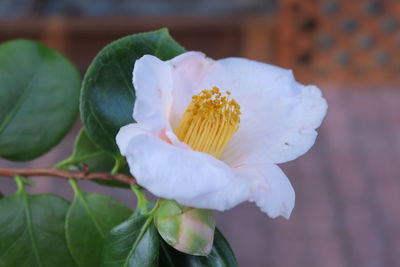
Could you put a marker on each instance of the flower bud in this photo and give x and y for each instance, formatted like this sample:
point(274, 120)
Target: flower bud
point(188, 230)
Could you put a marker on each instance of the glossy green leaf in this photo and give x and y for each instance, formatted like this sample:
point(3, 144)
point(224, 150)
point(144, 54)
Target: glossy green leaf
point(188, 230)
point(32, 230)
point(133, 243)
point(95, 159)
point(221, 255)
point(39, 99)
point(89, 220)
point(108, 96)
point(84, 151)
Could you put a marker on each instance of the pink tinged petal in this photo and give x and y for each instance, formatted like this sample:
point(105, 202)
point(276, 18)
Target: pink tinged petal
point(152, 80)
point(188, 71)
point(279, 115)
point(271, 189)
point(296, 134)
point(196, 237)
point(173, 139)
point(168, 171)
point(287, 134)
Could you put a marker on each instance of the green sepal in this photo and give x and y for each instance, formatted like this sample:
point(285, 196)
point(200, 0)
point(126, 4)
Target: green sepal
point(221, 255)
point(188, 230)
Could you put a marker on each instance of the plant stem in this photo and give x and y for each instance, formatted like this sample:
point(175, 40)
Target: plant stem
point(63, 174)
point(142, 201)
point(74, 186)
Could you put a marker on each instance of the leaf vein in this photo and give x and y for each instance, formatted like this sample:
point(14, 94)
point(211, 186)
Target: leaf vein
point(99, 123)
point(125, 79)
point(10, 115)
point(92, 217)
point(30, 230)
point(136, 243)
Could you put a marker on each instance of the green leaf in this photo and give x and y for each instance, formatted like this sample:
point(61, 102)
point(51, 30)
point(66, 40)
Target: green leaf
point(108, 96)
point(32, 230)
point(39, 99)
point(89, 220)
point(221, 255)
point(133, 243)
point(97, 160)
point(84, 151)
point(188, 230)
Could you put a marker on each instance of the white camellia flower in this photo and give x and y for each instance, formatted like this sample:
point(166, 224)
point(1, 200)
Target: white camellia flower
point(209, 133)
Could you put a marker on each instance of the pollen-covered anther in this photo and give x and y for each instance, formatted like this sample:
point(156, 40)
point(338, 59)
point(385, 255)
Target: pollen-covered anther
point(209, 121)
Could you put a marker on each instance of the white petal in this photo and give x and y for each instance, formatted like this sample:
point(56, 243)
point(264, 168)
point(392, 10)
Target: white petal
point(152, 80)
point(271, 189)
point(234, 193)
point(125, 134)
point(188, 70)
point(279, 115)
point(168, 171)
point(283, 132)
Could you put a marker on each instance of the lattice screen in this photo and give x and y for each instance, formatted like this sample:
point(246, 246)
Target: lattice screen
point(341, 39)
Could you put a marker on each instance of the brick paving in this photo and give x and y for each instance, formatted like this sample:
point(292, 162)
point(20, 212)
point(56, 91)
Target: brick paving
point(347, 188)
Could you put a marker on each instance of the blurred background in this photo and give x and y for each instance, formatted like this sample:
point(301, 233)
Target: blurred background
point(348, 186)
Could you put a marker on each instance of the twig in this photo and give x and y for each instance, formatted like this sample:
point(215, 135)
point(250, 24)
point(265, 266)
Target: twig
point(79, 175)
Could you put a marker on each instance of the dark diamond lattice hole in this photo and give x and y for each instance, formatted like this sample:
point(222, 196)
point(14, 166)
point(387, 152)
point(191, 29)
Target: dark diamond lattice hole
point(343, 58)
point(389, 25)
point(374, 7)
point(382, 57)
point(309, 25)
point(331, 7)
point(349, 25)
point(304, 58)
point(366, 41)
point(325, 41)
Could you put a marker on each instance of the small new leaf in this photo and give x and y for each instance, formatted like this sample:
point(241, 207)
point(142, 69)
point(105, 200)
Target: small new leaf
point(188, 230)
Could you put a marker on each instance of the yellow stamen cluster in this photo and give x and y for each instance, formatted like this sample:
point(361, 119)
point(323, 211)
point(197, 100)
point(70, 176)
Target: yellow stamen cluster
point(209, 122)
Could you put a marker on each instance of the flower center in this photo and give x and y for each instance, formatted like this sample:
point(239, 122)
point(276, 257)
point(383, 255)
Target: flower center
point(209, 122)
